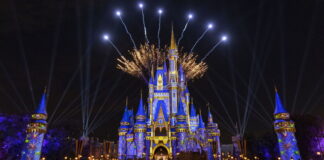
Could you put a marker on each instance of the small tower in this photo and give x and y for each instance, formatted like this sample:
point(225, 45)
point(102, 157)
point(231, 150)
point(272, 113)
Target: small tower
point(285, 130)
point(122, 131)
point(181, 128)
point(193, 118)
point(140, 130)
point(36, 130)
point(213, 137)
point(201, 134)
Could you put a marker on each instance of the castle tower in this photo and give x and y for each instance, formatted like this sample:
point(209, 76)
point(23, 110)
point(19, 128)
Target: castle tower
point(150, 98)
point(213, 138)
point(285, 130)
point(140, 130)
point(201, 134)
point(173, 75)
point(193, 118)
point(181, 128)
point(122, 131)
point(36, 130)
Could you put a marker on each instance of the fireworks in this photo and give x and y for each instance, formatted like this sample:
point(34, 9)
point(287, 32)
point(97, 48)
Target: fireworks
point(143, 61)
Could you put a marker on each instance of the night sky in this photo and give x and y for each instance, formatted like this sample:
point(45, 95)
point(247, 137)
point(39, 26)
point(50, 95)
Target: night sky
point(58, 44)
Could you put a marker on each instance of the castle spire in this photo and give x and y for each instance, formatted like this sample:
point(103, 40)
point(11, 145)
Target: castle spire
point(201, 122)
point(279, 107)
point(42, 105)
point(173, 44)
point(181, 111)
point(192, 109)
point(140, 110)
point(125, 116)
point(210, 116)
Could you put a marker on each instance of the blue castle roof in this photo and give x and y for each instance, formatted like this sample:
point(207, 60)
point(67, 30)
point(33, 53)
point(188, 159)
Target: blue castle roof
point(181, 111)
point(140, 110)
point(201, 122)
point(279, 108)
point(41, 109)
point(210, 116)
point(125, 116)
point(192, 110)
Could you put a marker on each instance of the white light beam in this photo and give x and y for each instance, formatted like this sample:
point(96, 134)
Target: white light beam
point(190, 16)
point(209, 26)
point(118, 13)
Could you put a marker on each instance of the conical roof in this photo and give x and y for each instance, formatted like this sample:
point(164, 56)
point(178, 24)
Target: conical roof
point(181, 111)
point(173, 44)
point(279, 108)
point(125, 116)
point(201, 123)
point(140, 110)
point(192, 110)
point(41, 109)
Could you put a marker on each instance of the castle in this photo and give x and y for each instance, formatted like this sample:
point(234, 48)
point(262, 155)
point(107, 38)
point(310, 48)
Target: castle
point(285, 130)
point(170, 126)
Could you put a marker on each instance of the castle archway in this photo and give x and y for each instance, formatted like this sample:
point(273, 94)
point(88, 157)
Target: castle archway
point(161, 153)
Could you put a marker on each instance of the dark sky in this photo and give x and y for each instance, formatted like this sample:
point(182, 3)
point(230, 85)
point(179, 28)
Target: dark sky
point(270, 42)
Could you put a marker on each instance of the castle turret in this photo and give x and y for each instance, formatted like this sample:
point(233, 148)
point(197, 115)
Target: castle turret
point(193, 118)
point(181, 128)
point(36, 130)
point(285, 130)
point(173, 75)
point(122, 131)
point(140, 130)
point(213, 138)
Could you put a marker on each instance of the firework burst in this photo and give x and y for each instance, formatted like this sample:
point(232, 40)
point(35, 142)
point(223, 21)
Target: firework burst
point(143, 61)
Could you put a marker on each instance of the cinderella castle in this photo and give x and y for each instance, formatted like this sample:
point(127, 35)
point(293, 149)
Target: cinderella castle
point(170, 126)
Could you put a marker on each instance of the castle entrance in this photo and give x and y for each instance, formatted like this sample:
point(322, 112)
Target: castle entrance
point(161, 153)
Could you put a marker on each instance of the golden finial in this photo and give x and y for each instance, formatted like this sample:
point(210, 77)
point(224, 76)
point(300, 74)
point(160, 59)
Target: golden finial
point(45, 90)
point(127, 101)
point(275, 88)
point(173, 44)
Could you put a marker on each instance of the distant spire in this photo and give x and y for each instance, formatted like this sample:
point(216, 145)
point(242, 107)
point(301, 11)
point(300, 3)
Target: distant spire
point(140, 110)
point(125, 116)
point(279, 108)
point(173, 44)
point(192, 109)
point(210, 116)
point(181, 109)
point(201, 122)
point(42, 105)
